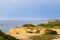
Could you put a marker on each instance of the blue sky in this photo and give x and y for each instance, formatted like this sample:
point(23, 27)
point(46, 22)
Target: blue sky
point(29, 9)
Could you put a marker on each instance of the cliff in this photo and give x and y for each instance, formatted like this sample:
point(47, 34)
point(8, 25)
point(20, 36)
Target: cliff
point(25, 33)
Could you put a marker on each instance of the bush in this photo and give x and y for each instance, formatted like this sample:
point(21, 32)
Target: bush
point(28, 25)
point(1, 38)
point(49, 31)
point(41, 25)
point(6, 37)
point(46, 25)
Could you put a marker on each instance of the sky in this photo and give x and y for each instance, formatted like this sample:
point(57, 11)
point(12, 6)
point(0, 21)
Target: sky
point(29, 9)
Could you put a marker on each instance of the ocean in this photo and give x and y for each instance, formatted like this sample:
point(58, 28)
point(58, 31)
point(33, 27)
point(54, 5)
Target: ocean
point(5, 25)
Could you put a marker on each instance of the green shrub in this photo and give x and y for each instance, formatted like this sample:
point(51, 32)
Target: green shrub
point(1, 38)
point(6, 37)
point(49, 31)
point(28, 25)
point(41, 25)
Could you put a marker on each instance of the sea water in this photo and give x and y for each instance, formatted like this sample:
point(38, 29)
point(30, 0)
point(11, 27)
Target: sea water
point(6, 25)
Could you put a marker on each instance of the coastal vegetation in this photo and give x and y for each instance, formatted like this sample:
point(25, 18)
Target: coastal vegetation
point(44, 37)
point(53, 24)
point(4, 36)
point(50, 32)
point(28, 25)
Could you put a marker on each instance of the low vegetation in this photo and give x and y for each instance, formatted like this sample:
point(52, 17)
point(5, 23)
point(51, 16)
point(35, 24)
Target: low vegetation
point(43, 37)
point(50, 32)
point(55, 24)
point(4, 36)
point(28, 25)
